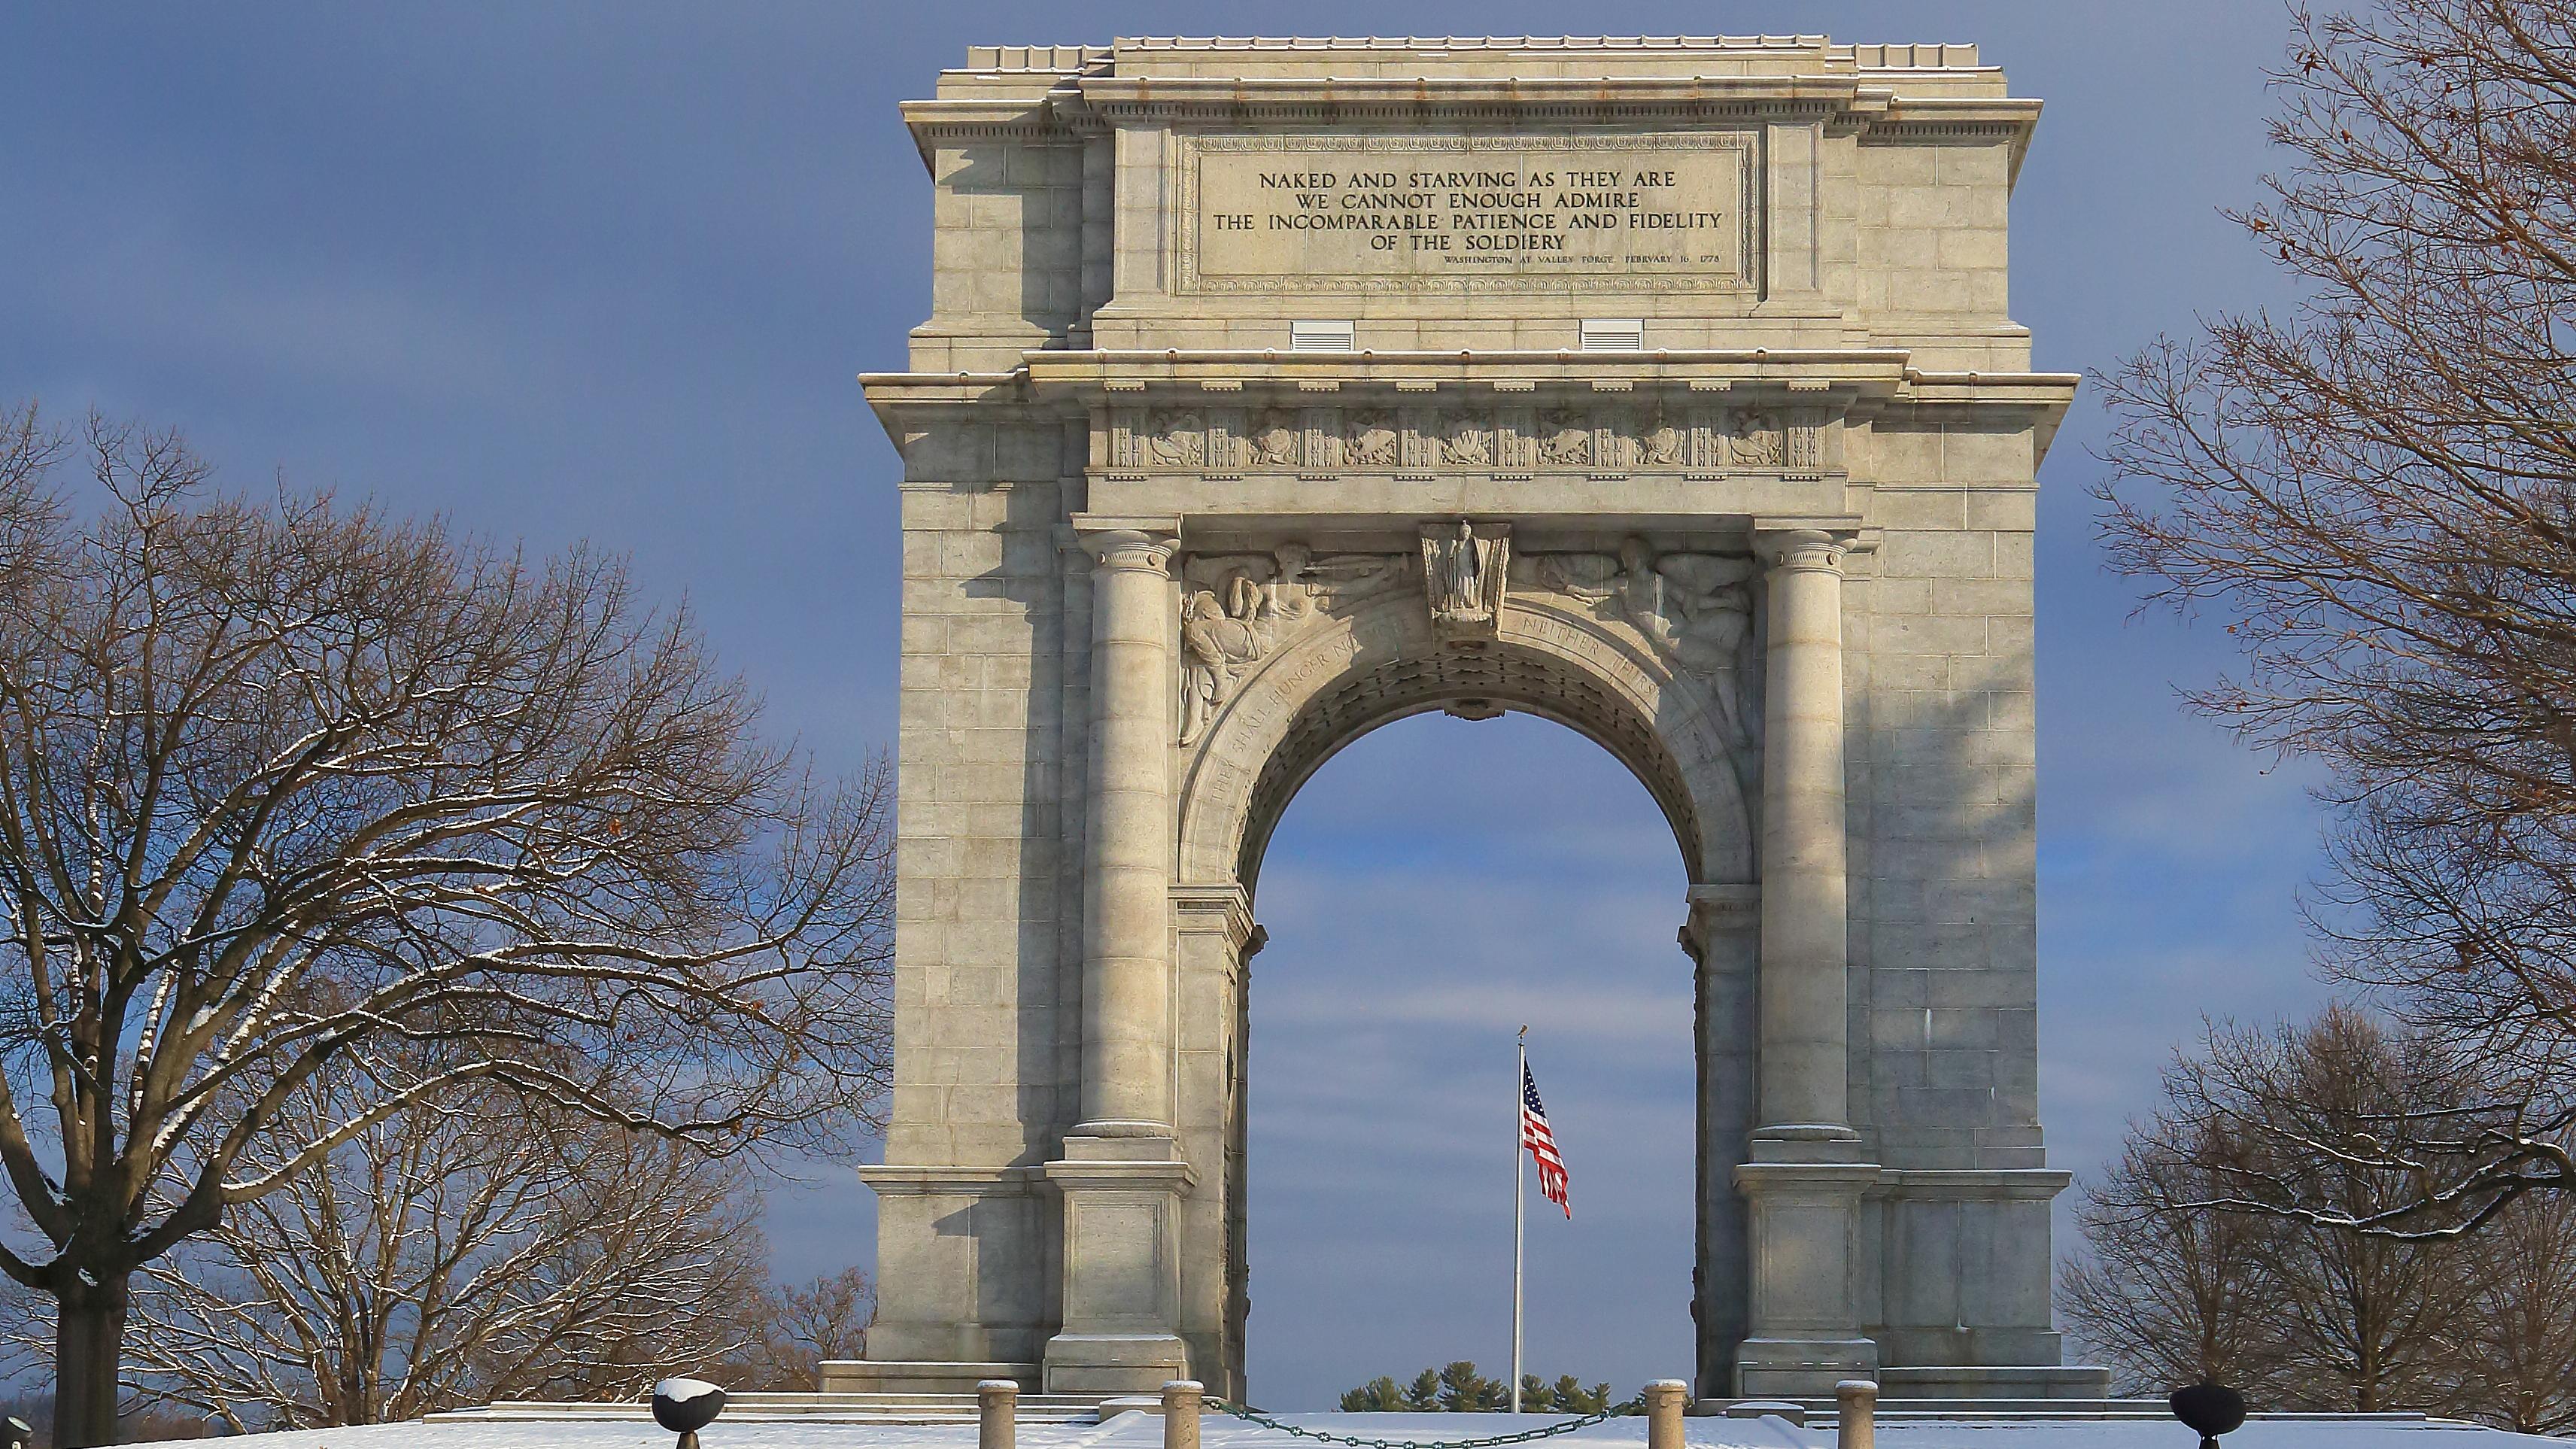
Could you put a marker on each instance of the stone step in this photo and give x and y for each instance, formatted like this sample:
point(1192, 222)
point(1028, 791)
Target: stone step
point(857, 1408)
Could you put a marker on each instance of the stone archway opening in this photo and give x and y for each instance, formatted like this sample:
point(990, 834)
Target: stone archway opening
point(1472, 684)
point(1415, 915)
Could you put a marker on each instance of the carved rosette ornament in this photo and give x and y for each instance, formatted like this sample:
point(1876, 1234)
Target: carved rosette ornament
point(1464, 571)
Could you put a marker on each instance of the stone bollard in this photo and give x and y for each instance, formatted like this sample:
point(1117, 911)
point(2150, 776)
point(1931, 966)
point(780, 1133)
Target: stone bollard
point(1665, 1400)
point(1181, 1414)
point(997, 1412)
point(1856, 1426)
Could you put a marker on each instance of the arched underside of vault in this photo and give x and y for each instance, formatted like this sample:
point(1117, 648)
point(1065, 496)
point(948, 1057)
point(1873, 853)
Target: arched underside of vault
point(1498, 675)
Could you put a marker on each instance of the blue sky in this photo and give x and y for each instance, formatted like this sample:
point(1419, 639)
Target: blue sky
point(606, 272)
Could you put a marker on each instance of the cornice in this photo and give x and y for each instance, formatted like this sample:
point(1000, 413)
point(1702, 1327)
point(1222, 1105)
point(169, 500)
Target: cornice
point(1419, 99)
point(1934, 119)
point(1509, 370)
point(906, 1180)
point(1862, 379)
point(1862, 105)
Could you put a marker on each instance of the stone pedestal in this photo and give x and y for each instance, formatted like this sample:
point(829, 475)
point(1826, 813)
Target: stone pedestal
point(1804, 1300)
point(1122, 1276)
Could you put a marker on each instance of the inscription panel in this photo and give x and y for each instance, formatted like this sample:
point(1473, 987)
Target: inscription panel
point(1655, 211)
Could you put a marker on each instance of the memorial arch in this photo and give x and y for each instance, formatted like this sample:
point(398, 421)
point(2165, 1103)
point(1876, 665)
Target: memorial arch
point(1662, 388)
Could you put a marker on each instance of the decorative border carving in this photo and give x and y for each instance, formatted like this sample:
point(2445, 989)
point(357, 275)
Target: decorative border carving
point(1617, 436)
point(1193, 147)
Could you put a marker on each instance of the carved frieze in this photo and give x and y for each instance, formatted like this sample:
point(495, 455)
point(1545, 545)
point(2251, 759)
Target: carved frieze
point(1368, 438)
point(1274, 439)
point(1508, 439)
point(1466, 441)
point(1564, 438)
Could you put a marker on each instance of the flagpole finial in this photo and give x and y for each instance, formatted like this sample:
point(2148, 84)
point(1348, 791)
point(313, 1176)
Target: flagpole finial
point(1525, 1033)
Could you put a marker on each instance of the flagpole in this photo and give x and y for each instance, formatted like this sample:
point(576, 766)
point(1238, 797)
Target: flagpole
point(1520, 1075)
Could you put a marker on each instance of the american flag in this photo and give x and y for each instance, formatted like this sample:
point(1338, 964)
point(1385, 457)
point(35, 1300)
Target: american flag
point(1542, 1144)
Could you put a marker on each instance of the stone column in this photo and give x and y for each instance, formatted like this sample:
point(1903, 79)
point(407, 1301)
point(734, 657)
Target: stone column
point(1122, 1178)
point(1803, 1179)
point(1127, 874)
point(1805, 947)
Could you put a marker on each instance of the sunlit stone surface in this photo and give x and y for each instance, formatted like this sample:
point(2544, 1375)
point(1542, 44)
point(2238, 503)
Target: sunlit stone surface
point(1276, 389)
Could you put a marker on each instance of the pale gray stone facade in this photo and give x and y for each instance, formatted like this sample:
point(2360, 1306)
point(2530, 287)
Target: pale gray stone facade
point(1277, 389)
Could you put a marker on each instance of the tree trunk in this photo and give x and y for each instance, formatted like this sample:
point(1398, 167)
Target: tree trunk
point(89, 1346)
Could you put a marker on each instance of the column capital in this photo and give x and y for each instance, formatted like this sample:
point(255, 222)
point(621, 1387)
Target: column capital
point(1718, 908)
point(1806, 548)
point(1218, 906)
point(1144, 545)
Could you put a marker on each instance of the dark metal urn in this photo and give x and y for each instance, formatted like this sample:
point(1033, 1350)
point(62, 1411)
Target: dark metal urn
point(2208, 1410)
point(684, 1406)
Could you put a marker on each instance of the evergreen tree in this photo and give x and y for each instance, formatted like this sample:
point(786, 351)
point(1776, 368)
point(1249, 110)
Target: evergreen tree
point(1460, 1389)
point(1465, 1391)
point(1422, 1396)
point(1378, 1396)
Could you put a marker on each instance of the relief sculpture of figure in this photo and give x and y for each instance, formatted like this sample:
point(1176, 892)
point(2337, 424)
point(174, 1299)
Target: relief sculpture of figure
point(1236, 609)
point(1344, 579)
point(1463, 576)
point(1461, 587)
point(1695, 609)
point(1218, 641)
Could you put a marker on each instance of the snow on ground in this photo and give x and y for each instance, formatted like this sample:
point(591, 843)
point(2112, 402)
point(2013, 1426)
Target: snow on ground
point(1144, 1431)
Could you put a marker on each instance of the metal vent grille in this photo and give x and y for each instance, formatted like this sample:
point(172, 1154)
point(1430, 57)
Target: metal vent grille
point(1323, 336)
point(1614, 334)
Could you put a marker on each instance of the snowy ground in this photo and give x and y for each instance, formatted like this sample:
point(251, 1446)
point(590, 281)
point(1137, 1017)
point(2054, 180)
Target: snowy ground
point(1143, 1431)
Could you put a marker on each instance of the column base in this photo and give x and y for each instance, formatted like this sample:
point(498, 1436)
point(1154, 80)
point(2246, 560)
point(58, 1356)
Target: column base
point(1122, 1270)
point(873, 1376)
point(1114, 1363)
point(1801, 1368)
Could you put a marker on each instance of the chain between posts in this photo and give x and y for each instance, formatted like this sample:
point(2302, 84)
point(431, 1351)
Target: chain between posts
point(1255, 1416)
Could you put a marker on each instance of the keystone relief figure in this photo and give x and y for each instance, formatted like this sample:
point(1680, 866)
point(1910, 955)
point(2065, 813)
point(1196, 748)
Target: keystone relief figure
point(1463, 574)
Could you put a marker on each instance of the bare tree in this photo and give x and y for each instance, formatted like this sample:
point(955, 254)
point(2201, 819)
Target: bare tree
point(2377, 491)
point(2169, 1297)
point(469, 1250)
point(2517, 1321)
point(799, 1329)
point(289, 788)
point(2194, 1278)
